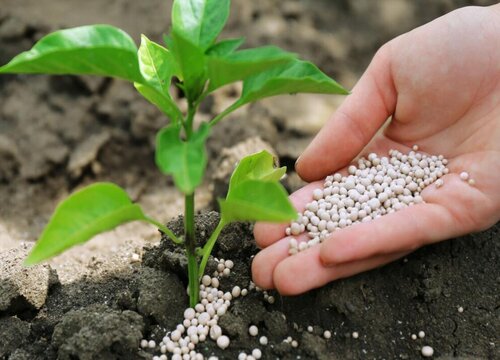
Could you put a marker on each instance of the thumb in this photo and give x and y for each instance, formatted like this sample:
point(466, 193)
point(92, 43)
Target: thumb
point(353, 125)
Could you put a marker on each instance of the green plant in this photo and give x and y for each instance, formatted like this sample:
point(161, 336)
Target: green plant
point(202, 65)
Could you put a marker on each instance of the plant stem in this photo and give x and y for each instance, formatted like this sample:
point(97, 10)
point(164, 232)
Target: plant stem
point(207, 249)
point(163, 229)
point(189, 120)
point(189, 231)
point(226, 112)
point(191, 249)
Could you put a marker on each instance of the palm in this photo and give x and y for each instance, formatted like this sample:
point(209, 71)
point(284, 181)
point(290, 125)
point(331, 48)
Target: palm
point(442, 96)
point(448, 103)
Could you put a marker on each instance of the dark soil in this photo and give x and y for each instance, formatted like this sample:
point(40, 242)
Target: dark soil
point(107, 320)
point(59, 133)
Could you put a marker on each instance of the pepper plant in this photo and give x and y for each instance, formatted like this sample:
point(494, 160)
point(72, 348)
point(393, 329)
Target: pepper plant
point(201, 63)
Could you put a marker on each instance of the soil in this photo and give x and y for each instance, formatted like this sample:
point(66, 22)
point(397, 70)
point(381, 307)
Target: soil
point(106, 319)
point(58, 134)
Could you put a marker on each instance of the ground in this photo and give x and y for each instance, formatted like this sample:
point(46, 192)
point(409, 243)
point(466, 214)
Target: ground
point(58, 134)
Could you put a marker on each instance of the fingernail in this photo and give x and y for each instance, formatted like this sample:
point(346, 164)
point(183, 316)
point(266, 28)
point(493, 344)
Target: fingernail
point(329, 263)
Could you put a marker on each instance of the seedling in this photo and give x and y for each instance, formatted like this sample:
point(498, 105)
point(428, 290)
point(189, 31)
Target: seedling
point(201, 64)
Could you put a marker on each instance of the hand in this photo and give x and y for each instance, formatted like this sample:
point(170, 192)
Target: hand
point(441, 85)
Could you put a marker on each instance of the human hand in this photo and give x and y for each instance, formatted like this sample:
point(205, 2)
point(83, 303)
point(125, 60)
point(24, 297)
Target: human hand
point(441, 85)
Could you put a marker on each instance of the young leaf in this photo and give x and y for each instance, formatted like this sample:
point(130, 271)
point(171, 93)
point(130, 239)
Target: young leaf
point(259, 166)
point(257, 200)
point(255, 193)
point(200, 21)
point(162, 102)
point(94, 50)
point(185, 160)
point(157, 66)
point(191, 60)
point(225, 47)
point(294, 77)
point(241, 64)
point(85, 213)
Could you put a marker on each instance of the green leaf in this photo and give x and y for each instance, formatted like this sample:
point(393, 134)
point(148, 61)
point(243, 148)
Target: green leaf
point(241, 64)
point(200, 21)
point(185, 160)
point(94, 50)
point(191, 60)
point(157, 65)
point(225, 47)
point(167, 39)
point(255, 193)
point(259, 166)
point(257, 200)
point(162, 102)
point(92, 210)
point(295, 77)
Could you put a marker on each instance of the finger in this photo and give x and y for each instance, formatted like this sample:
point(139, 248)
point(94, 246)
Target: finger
point(353, 125)
point(266, 260)
point(305, 271)
point(267, 233)
point(405, 230)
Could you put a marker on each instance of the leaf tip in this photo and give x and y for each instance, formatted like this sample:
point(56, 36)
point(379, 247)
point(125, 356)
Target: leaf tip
point(30, 260)
point(343, 90)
